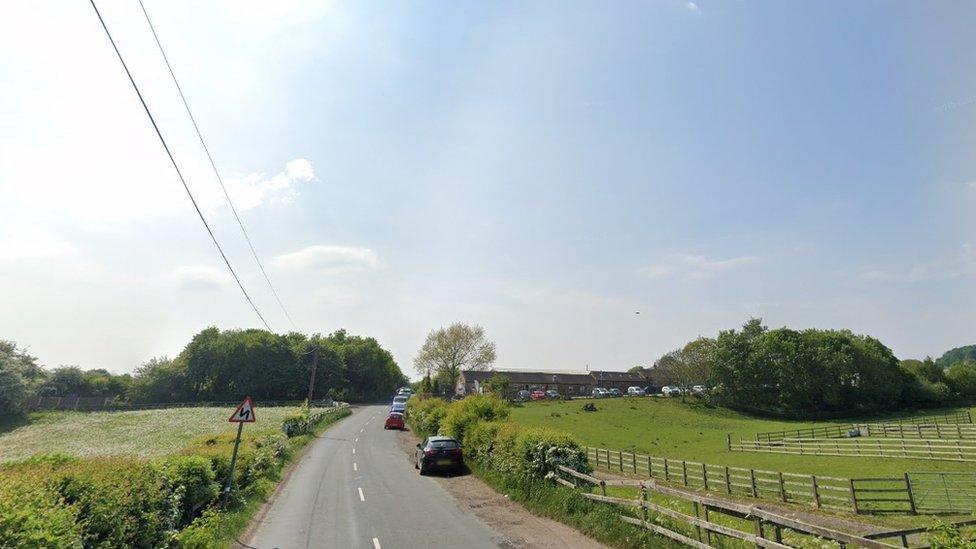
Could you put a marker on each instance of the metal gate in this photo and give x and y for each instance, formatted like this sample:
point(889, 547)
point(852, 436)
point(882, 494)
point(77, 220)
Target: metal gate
point(944, 492)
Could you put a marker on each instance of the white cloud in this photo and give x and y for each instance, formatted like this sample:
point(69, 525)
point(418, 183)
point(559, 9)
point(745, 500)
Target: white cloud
point(27, 242)
point(693, 7)
point(253, 190)
point(198, 278)
point(696, 267)
point(329, 259)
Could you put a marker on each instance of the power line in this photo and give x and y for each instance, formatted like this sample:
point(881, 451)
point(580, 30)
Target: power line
point(214, 166)
point(175, 166)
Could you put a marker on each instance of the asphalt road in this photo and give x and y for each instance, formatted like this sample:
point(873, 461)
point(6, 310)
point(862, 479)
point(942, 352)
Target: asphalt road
point(355, 488)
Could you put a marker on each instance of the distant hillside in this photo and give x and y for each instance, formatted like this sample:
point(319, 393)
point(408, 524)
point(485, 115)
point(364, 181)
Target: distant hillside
point(958, 354)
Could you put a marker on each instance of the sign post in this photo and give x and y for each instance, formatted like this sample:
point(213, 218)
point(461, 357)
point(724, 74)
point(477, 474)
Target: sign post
point(243, 414)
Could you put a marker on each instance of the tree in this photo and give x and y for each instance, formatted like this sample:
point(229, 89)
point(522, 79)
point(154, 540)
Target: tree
point(961, 377)
point(959, 354)
point(13, 391)
point(926, 369)
point(498, 385)
point(449, 350)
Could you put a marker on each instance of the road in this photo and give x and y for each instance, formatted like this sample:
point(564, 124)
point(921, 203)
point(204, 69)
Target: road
point(355, 488)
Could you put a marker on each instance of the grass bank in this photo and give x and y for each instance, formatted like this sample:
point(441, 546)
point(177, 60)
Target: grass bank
point(690, 430)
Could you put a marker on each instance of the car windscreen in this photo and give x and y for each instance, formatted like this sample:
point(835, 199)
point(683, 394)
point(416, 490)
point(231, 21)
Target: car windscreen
point(443, 444)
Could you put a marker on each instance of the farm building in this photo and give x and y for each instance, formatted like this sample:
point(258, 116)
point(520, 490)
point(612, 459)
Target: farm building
point(566, 383)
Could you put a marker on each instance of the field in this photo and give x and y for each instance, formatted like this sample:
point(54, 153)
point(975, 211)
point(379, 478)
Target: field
point(667, 427)
point(144, 433)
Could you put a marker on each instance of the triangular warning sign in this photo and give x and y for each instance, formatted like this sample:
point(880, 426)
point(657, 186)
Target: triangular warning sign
point(244, 412)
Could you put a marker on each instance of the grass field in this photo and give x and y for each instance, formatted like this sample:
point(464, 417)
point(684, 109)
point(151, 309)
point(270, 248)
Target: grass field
point(670, 428)
point(143, 433)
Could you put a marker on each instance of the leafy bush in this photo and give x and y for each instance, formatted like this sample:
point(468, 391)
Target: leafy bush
point(523, 452)
point(589, 407)
point(947, 536)
point(425, 415)
point(462, 415)
point(31, 515)
point(115, 502)
point(192, 480)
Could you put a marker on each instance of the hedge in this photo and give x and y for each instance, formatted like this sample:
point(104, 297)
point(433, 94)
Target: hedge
point(59, 501)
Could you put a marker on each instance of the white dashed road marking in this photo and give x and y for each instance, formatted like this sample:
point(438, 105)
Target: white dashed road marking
point(376, 543)
point(362, 497)
point(355, 467)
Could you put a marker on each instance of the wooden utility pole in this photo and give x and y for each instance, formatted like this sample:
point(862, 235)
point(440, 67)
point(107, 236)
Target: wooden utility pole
point(311, 377)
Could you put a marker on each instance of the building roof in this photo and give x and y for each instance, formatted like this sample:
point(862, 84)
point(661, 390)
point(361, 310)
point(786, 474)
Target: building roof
point(522, 376)
point(606, 375)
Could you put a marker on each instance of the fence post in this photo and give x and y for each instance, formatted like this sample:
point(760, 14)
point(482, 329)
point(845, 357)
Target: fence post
point(782, 487)
point(650, 469)
point(708, 533)
point(854, 498)
point(728, 441)
point(752, 479)
point(698, 528)
point(666, 475)
point(705, 476)
point(684, 472)
point(620, 460)
point(603, 487)
point(911, 493)
point(643, 496)
point(633, 461)
point(759, 529)
point(816, 494)
point(728, 481)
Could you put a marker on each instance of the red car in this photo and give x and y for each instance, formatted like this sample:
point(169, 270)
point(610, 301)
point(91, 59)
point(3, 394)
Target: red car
point(537, 395)
point(394, 421)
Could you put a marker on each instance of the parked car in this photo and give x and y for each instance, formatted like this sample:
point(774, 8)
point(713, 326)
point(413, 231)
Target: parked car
point(438, 453)
point(600, 392)
point(615, 392)
point(668, 390)
point(635, 391)
point(405, 391)
point(523, 395)
point(401, 398)
point(651, 390)
point(399, 407)
point(552, 394)
point(394, 421)
point(699, 389)
point(537, 394)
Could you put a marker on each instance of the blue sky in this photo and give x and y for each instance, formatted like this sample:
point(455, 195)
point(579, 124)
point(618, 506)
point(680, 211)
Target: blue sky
point(543, 169)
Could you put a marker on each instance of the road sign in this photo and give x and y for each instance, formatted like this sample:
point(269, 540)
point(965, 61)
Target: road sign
point(244, 412)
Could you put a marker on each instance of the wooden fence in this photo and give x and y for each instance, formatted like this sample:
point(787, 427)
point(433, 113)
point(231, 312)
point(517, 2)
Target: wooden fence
point(963, 418)
point(910, 493)
point(954, 431)
point(929, 449)
point(816, 490)
point(714, 521)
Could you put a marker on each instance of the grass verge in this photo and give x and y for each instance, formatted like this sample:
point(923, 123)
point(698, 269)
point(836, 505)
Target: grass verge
point(597, 520)
point(221, 529)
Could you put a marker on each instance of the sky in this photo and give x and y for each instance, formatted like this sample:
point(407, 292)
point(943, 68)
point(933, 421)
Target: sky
point(544, 169)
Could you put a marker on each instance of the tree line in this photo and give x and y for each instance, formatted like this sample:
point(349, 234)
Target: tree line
point(803, 373)
point(219, 365)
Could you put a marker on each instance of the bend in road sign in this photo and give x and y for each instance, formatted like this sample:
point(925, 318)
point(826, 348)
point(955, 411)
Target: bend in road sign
point(244, 412)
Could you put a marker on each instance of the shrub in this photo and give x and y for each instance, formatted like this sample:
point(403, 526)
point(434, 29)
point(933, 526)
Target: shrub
point(523, 452)
point(192, 480)
point(31, 515)
point(589, 407)
point(947, 536)
point(425, 415)
point(462, 415)
point(116, 502)
point(962, 378)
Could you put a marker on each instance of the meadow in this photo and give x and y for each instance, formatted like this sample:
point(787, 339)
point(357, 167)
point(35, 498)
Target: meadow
point(139, 433)
point(693, 431)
